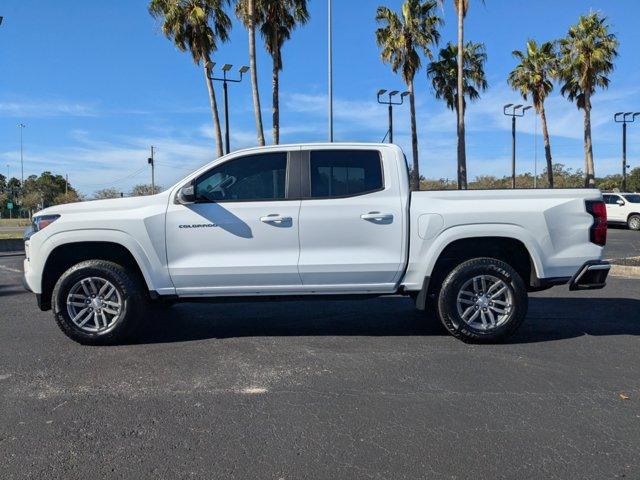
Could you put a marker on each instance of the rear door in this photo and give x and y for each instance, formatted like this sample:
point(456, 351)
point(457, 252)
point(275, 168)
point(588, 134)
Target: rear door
point(352, 230)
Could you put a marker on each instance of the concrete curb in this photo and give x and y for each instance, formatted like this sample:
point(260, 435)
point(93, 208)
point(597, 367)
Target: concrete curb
point(624, 271)
point(11, 245)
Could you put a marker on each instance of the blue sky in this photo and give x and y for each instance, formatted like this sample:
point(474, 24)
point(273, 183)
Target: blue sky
point(97, 83)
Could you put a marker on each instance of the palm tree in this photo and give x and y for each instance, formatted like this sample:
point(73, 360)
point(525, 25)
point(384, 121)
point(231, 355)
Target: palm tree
point(462, 7)
point(197, 26)
point(246, 12)
point(401, 38)
point(533, 78)
point(277, 20)
point(444, 78)
point(587, 54)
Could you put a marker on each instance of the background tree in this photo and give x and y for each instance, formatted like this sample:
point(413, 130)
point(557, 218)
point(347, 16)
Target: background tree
point(3, 183)
point(401, 38)
point(106, 193)
point(532, 77)
point(246, 12)
point(70, 197)
point(587, 55)
point(197, 26)
point(444, 78)
point(143, 190)
point(462, 7)
point(277, 20)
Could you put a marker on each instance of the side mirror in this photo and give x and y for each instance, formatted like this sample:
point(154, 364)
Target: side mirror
point(187, 194)
point(620, 202)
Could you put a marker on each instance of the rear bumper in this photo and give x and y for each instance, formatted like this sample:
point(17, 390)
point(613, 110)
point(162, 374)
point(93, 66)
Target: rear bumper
point(591, 276)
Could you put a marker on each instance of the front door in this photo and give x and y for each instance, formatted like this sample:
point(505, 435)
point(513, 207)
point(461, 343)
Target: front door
point(241, 235)
point(615, 211)
point(351, 222)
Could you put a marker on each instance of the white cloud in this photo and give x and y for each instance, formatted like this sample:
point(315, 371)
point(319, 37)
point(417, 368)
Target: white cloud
point(46, 108)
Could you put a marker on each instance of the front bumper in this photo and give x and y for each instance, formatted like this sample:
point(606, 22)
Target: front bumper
point(591, 276)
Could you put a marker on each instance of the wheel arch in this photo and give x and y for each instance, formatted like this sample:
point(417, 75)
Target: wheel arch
point(64, 256)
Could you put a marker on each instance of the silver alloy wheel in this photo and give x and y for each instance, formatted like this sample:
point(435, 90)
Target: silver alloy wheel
point(634, 223)
point(94, 304)
point(485, 302)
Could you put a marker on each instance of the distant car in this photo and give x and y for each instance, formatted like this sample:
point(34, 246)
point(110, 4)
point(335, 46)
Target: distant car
point(623, 208)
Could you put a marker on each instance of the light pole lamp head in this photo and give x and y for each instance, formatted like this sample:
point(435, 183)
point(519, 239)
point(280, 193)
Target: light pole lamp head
point(393, 92)
point(1, 18)
point(626, 114)
point(615, 116)
point(210, 65)
point(405, 94)
point(243, 69)
point(226, 67)
point(381, 92)
point(528, 107)
point(504, 109)
point(637, 114)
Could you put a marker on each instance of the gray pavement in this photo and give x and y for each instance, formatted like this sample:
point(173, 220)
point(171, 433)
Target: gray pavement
point(351, 389)
point(622, 243)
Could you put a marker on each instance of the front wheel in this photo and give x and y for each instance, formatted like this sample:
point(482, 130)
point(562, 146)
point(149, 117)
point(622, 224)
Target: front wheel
point(97, 302)
point(482, 300)
point(634, 222)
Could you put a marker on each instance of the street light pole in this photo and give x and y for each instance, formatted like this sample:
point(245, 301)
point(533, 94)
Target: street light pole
point(21, 126)
point(390, 104)
point(514, 114)
point(225, 68)
point(330, 67)
point(153, 166)
point(621, 117)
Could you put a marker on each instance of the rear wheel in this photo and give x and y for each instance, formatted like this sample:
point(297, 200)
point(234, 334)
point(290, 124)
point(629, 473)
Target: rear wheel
point(482, 300)
point(634, 222)
point(97, 302)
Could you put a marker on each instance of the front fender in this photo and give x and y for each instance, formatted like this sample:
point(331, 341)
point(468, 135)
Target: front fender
point(151, 264)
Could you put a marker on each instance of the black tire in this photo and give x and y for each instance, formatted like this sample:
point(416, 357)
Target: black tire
point(130, 291)
point(634, 222)
point(456, 280)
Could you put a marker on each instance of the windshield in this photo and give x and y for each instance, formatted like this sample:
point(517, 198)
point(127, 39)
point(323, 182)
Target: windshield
point(633, 198)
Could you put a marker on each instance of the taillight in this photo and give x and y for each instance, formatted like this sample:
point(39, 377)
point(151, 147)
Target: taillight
point(598, 231)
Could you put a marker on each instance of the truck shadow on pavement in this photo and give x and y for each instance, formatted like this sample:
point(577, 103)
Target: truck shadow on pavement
point(548, 319)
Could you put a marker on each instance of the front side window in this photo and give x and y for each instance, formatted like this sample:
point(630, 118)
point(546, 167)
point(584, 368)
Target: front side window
point(341, 173)
point(633, 198)
point(255, 177)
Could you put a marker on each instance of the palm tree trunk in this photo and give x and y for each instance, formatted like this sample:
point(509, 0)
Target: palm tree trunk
point(254, 73)
point(214, 106)
point(415, 172)
point(276, 97)
point(590, 181)
point(547, 145)
point(462, 154)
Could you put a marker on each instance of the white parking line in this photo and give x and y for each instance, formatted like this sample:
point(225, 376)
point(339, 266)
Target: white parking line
point(9, 269)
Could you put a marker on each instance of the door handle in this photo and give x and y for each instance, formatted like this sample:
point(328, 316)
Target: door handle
point(377, 216)
point(275, 218)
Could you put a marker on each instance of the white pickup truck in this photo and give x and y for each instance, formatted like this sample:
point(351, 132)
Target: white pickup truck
point(313, 220)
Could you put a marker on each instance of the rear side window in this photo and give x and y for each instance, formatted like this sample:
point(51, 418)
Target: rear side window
point(255, 177)
point(343, 173)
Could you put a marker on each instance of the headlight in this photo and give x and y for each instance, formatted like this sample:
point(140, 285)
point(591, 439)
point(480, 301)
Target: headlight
point(42, 222)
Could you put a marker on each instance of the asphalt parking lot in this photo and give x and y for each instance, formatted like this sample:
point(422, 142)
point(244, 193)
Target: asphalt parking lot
point(352, 389)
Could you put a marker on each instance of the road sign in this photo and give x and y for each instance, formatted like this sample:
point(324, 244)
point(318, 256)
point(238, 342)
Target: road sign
point(10, 205)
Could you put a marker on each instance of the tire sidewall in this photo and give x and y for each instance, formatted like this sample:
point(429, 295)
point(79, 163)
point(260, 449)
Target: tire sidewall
point(102, 269)
point(630, 223)
point(447, 301)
